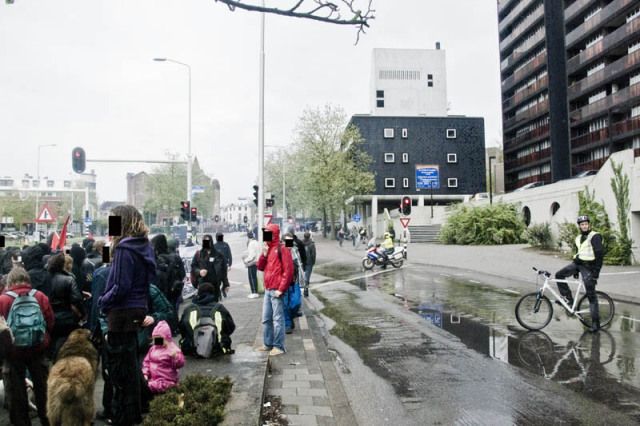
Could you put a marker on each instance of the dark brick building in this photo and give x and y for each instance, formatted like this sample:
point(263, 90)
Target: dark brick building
point(398, 144)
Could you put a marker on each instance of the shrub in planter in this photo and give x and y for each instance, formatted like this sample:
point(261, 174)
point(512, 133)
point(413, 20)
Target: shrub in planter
point(198, 400)
point(483, 225)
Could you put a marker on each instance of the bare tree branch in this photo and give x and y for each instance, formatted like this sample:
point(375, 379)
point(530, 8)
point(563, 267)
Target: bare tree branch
point(317, 10)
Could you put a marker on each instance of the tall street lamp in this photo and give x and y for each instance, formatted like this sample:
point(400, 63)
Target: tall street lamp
point(189, 152)
point(38, 176)
point(490, 180)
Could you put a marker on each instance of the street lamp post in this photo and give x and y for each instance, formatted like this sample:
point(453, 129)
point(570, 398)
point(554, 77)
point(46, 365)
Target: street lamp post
point(490, 180)
point(189, 151)
point(38, 176)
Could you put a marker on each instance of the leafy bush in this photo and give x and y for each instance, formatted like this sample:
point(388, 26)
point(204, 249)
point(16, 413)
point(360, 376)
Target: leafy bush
point(539, 235)
point(483, 225)
point(567, 232)
point(198, 400)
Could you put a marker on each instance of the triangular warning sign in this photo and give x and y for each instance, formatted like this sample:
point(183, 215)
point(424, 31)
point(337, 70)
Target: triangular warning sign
point(405, 221)
point(45, 215)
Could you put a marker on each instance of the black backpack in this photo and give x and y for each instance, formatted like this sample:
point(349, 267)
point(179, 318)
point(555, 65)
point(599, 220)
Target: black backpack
point(165, 273)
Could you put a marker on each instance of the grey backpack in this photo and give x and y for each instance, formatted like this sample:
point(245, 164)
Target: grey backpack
point(205, 334)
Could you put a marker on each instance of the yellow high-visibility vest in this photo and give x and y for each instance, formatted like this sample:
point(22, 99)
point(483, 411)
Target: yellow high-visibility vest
point(585, 249)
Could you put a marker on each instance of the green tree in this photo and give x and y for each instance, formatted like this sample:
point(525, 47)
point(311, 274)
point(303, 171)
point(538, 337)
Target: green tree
point(333, 168)
point(165, 186)
point(19, 210)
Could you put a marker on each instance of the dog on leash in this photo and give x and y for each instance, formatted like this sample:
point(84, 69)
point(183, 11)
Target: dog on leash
point(72, 381)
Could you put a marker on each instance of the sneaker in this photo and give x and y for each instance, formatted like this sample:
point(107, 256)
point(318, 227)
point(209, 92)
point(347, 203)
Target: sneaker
point(288, 330)
point(306, 292)
point(250, 296)
point(255, 296)
point(276, 351)
point(263, 348)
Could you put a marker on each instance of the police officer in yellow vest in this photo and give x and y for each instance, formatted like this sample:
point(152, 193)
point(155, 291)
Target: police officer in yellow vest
point(588, 262)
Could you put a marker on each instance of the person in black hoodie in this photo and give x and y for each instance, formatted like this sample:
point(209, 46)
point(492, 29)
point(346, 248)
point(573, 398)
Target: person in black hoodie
point(224, 248)
point(40, 277)
point(208, 266)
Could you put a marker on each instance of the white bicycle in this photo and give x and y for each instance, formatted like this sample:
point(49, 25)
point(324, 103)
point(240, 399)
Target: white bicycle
point(534, 310)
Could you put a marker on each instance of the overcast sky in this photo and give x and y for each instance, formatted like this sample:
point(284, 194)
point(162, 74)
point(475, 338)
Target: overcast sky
point(81, 73)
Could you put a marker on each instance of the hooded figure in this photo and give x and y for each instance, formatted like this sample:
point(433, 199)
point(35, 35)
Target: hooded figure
point(40, 277)
point(160, 366)
point(82, 268)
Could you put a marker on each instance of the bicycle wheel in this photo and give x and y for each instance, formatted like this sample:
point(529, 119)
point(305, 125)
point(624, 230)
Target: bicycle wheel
point(606, 309)
point(534, 312)
point(535, 351)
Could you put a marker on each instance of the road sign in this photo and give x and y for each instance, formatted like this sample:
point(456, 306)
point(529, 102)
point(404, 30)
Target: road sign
point(197, 189)
point(268, 217)
point(45, 215)
point(356, 218)
point(88, 220)
point(405, 221)
point(427, 176)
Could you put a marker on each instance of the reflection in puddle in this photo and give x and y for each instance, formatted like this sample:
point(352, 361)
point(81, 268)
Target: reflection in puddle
point(481, 316)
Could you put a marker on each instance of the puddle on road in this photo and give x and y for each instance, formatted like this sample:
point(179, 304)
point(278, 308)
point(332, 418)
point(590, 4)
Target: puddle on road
point(479, 315)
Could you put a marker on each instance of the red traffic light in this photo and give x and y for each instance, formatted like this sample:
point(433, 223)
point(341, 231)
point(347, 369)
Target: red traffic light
point(185, 204)
point(78, 160)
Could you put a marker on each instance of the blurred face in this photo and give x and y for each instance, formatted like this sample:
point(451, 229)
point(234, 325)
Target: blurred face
point(584, 226)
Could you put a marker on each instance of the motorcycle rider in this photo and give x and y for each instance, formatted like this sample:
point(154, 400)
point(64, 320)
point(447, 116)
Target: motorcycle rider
point(587, 261)
point(387, 248)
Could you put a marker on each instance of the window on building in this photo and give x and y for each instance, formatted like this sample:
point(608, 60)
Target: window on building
point(405, 182)
point(389, 182)
point(389, 157)
point(388, 133)
point(405, 157)
point(452, 157)
point(34, 183)
point(50, 184)
point(452, 182)
point(451, 133)
point(405, 133)
point(6, 182)
point(67, 184)
point(379, 93)
point(380, 103)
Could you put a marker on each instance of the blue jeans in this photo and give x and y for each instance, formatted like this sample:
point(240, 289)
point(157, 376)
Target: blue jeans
point(307, 273)
point(273, 320)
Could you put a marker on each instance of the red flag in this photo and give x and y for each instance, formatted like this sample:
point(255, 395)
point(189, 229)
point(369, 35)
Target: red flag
point(90, 235)
point(54, 241)
point(63, 234)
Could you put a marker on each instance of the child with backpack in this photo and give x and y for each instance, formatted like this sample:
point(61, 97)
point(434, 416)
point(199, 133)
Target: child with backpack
point(160, 366)
point(206, 325)
point(30, 317)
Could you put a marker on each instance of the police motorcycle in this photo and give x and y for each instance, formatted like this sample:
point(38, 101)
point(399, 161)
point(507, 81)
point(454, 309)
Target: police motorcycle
point(376, 257)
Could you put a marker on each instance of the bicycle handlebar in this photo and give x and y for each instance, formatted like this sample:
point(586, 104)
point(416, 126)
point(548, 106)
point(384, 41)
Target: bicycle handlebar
point(540, 272)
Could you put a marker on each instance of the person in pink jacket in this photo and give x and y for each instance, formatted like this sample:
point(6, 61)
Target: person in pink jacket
point(160, 366)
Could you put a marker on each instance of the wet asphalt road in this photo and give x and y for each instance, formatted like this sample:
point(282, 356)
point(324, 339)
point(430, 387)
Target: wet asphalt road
point(421, 345)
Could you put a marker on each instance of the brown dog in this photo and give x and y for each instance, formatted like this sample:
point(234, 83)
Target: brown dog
point(72, 381)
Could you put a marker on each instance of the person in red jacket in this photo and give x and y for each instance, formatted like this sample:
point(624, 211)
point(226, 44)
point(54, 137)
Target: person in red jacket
point(277, 264)
point(14, 369)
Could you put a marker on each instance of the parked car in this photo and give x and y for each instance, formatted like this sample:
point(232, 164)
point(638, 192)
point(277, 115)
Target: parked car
point(532, 185)
point(585, 173)
point(480, 196)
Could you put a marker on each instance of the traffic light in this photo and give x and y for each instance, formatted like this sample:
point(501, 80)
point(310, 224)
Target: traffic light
point(78, 160)
point(184, 210)
point(270, 201)
point(194, 214)
point(406, 206)
point(255, 194)
point(245, 219)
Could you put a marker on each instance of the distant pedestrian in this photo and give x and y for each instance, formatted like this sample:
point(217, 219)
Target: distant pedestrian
point(224, 248)
point(310, 249)
point(277, 278)
point(251, 262)
point(124, 303)
point(15, 366)
point(208, 266)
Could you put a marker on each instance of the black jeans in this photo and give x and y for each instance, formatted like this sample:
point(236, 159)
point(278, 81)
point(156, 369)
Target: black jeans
point(14, 373)
point(589, 283)
point(253, 278)
point(125, 376)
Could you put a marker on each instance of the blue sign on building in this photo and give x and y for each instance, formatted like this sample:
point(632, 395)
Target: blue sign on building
point(356, 218)
point(427, 176)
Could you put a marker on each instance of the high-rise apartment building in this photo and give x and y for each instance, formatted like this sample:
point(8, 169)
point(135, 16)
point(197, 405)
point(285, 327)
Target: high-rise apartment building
point(569, 72)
